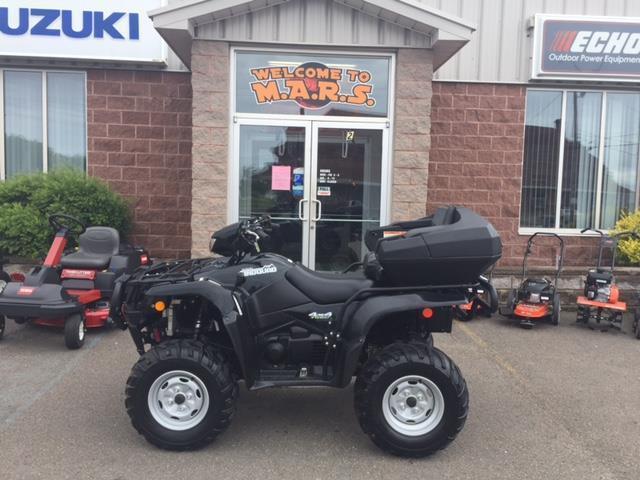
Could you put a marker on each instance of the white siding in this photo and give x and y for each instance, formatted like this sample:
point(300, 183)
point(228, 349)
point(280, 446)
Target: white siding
point(500, 50)
point(317, 22)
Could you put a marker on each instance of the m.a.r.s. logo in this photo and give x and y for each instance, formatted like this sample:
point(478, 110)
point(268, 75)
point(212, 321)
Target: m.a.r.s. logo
point(67, 23)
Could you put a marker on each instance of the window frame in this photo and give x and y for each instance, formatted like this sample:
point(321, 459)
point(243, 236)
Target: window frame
point(600, 166)
point(45, 116)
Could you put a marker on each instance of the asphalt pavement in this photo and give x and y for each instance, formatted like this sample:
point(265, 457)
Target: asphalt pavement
point(554, 402)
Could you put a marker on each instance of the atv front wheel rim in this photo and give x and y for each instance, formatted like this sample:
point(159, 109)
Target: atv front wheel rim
point(178, 400)
point(413, 405)
point(81, 331)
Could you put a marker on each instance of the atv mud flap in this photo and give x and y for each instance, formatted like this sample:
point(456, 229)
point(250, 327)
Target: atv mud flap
point(44, 301)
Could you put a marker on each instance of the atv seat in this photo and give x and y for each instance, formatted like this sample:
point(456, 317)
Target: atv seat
point(326, 288)
point(97, 246)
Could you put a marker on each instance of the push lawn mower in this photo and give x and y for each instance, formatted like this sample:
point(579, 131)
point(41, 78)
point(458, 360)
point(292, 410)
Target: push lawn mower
point(483, 300)
point(601, 299)
point(536, 299)
point(73, 290)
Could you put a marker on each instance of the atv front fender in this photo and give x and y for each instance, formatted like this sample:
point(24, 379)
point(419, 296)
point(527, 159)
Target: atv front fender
point(375, 309)
point(223, 300)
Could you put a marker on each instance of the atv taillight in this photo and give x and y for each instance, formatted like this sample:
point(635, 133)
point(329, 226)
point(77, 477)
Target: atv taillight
point(427, 313)
point(144, 259)
point(17, 277)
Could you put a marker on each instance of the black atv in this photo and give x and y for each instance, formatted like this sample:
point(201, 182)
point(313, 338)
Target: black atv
point(202, 325)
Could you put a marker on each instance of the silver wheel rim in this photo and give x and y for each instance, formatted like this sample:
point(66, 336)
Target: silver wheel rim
point(2, 285)
point(178, 400)
point(81, 331)
point(413, 405)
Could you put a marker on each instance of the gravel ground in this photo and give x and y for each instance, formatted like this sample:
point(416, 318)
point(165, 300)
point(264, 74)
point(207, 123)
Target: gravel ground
point(554, 402)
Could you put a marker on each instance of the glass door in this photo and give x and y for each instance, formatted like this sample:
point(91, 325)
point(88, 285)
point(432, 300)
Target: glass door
point(321, 183)
point(346, 192)
point(272, 161)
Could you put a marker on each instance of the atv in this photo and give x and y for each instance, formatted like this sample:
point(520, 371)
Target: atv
point(71, 290)
point(202, 325)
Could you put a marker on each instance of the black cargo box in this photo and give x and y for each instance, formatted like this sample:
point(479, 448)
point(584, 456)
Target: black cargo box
point(453, 246)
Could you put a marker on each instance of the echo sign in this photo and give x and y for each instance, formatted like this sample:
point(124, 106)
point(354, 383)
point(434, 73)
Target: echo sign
point(117, 30)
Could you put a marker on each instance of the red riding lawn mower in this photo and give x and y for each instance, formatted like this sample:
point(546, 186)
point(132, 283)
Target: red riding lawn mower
point(536, 299)
point(601, 300)
point(71, 290)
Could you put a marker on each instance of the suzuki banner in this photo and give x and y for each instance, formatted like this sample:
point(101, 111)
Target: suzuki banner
point(600, 48)
point(113, 30)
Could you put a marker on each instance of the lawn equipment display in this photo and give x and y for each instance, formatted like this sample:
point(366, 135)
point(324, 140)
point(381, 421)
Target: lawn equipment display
point(483, 300)
point(72, 290)
point(601, 300)
point(536, 299)
point(202, 325)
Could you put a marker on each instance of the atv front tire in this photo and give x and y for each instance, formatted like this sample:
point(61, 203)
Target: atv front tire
point(74, 331)
point(181, 395)
point(411, 399)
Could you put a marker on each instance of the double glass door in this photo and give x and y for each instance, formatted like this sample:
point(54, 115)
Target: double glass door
point(322, 183)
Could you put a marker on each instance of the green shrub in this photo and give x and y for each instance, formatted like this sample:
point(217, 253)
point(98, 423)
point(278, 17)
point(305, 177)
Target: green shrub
point(628, 248)
point(27, 201)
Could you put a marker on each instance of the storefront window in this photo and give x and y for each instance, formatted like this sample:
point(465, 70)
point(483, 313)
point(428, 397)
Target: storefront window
point(595, 168)
point(26, 105)
point(311, 84)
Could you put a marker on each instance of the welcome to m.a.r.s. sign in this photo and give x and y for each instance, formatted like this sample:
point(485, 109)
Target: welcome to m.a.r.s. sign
point(600, 48)
point(100, 30)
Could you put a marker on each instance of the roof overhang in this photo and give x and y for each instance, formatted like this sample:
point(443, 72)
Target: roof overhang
point(175, 22)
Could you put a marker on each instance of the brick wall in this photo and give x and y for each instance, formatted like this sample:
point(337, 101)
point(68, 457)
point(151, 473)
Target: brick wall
point(139, 138)
point(476, 156)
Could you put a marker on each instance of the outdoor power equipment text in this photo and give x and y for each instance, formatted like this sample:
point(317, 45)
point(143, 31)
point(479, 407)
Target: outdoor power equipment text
point(312, 85)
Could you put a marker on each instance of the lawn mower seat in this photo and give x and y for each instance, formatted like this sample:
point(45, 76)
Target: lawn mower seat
point(97, 246)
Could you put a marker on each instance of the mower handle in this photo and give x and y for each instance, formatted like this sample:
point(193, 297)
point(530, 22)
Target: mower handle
point(592, 230)
point(627, 233)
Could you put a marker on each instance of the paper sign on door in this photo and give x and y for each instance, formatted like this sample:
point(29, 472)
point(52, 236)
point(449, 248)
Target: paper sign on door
point(281, 177)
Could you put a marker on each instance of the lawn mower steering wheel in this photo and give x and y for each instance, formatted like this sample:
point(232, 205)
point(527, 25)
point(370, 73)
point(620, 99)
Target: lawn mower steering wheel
point(59, 221)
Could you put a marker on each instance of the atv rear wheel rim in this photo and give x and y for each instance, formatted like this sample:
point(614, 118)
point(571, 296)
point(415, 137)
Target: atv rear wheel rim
point(178, 400)
point(413, 405)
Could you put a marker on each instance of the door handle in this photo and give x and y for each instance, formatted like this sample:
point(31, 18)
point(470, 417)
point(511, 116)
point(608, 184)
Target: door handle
point(300, 207)
point(319, 210)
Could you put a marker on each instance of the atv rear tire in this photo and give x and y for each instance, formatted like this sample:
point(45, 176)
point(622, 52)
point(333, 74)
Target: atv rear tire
point(74, 331)
point(411, 399)
point(181, 375)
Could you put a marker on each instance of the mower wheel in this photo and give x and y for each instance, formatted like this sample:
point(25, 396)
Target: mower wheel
point(637, 329)
point(511, 303)
point(74, 331)
point(557, 307)
point(2, 323)
point(411, 400)
point(181, 395)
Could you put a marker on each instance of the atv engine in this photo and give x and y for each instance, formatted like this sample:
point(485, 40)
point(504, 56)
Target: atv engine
point(599, 286)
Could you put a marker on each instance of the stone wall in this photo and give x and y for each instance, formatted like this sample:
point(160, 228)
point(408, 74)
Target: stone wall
point(210, 82)
point(139, 142)
point(412, 125)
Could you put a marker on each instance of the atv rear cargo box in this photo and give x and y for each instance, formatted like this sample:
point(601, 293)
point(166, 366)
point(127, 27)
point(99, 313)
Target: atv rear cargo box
point(454, 246)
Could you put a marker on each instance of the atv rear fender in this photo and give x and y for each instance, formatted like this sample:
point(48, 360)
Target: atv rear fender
point(376, 309)
point(223, 300)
